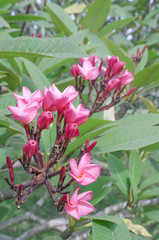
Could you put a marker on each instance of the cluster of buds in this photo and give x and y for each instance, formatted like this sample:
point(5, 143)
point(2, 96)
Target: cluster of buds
point(68, 119)
point(112, 82)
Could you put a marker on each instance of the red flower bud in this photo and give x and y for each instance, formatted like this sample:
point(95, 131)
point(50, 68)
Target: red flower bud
point(9, 162)
point(44, 120)
point(63, 199)
point(62, 176)
point(74, 70)
point(20, 187)
point(11, 173)
point(30, 148)
point(130, 92)
point(88, 149)
point(71, 130)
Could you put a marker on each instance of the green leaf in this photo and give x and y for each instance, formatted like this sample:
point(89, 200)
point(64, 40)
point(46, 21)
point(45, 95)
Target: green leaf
point(146, 76)
point(149, 181)
point(36, 47)
point(36, 75)
point(4, 137)
point(109, 231)
point(135, 171)
point(61, 19)
point(5, 100)
point(12, 124)
point(149, 104)
point(96, 15)
point(133, 133)
point(135, 166)
point(106, 218)
point(4, 22)
point(114, 25)
point(100, 188)
point(116, 50)
point(153, 215)
point(3, 153)
point(150, 193)
point(23, 18)
point(143, 62)
point(119, 172)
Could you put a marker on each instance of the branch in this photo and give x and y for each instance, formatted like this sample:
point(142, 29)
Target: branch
point(59, 224)
point(6, 194)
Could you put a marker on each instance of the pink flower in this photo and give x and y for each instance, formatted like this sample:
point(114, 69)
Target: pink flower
point(78, 205)
point(74, 70)
point(30, 148)
point(93, 60)
point(28, 97)
point(76, 115)
point(85, 173)
point(112, 84)
point(25, 113)
point(126, 77)
point(54, 100)
point(44, 120)
point(71, 130)
point(115, 67)
point(88, 71)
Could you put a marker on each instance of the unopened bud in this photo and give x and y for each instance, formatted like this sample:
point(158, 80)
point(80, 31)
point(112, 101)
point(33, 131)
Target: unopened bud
point(9, 162)
point(20, 187)
point(44, 120)
point(130, 92)
point(11, 173)
point(89, 149)
point(74, 70)
point(30, 148)
point(61, 203)
point(71, 130)
point(62, 176)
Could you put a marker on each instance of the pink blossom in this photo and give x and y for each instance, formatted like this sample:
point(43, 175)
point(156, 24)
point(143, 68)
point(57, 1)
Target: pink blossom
point(115, 67)
point(28, 97)
point(126, 77)
point(85, 173)
point(71, 130)
point(88, 71)
point(78, 205)
point(76, 115)
point(112, 84)
point(30, 148)
point(74, 70)
point(44, 120)
point(93, 60)
point(25, 113)
point(54, 100)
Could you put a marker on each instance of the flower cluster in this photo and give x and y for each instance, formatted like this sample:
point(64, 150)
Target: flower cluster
point(112, 81)
point(68, 119)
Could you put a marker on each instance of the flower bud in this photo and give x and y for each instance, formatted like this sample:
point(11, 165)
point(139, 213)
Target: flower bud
point(74, 70)
point(30, 148)
point(62, 176)
point(88, 149)
point(9, 162)
point(11, 173)
point(44, 120)
point(61, 203)
point(71, 130)
point(130, 92)
point(20, 187)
